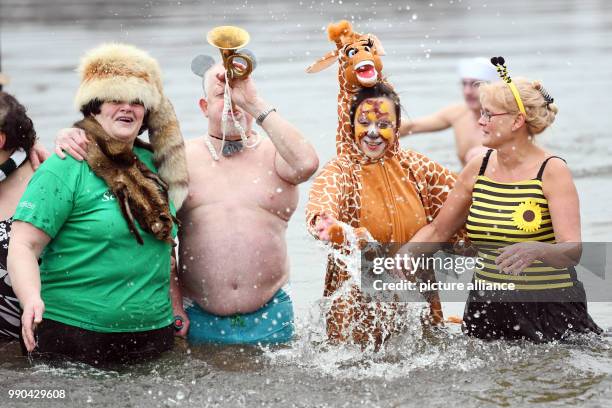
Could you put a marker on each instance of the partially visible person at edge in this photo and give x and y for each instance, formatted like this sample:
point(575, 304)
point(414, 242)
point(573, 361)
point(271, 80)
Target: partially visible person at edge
point(4, 80)
point(17, 136)
point(233, 260)
point(463, 116)
point(103, 229)
point(520, 206)
point(391, 193)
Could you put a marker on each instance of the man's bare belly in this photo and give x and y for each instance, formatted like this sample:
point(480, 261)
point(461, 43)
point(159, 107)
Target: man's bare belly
point(233, 257)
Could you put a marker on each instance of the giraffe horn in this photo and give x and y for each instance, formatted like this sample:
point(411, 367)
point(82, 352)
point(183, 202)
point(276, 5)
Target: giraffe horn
point(335, 32)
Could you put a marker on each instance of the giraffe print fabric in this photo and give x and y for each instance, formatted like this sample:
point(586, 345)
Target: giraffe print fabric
point(392, 197)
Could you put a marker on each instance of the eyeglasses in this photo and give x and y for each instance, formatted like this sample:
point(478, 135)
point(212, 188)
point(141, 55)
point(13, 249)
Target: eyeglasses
point(472, 83)
point(486, 115)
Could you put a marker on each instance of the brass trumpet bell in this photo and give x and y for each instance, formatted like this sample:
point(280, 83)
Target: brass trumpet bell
point(228, 39)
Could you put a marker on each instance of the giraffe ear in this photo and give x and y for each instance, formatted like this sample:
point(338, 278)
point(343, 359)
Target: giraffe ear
point(377, 44)
point(325, 62)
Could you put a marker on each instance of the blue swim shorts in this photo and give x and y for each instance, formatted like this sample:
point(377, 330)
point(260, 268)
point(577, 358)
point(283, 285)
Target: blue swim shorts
point(271, 324)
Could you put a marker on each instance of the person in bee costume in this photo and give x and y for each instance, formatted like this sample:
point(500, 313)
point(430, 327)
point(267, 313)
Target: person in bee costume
point(520, 206)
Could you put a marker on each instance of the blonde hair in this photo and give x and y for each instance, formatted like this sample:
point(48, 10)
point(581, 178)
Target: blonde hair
point(540, 114)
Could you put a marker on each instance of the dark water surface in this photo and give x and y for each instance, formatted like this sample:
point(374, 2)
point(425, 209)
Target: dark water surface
point(567, 44)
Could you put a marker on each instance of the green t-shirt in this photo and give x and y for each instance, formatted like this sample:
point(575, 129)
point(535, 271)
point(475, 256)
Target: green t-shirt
point(94, 274)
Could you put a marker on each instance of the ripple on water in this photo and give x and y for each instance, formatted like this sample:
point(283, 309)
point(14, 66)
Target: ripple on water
point(429, 368)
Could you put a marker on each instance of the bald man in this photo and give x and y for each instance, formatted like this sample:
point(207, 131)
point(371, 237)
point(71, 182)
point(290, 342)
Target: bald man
point(233, 264)
point(462, 117)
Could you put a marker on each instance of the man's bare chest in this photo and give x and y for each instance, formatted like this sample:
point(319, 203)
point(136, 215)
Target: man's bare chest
point(246, 183)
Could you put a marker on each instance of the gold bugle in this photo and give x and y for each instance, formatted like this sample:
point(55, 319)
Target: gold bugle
point(228, 39)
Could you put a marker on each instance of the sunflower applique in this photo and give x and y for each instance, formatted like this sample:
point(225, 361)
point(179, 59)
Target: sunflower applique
point(528, 216)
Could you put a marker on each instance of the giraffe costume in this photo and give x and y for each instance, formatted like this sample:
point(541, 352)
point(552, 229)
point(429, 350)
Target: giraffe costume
point(391, 197)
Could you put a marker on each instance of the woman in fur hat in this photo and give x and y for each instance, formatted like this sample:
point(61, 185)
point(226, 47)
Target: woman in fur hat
point(104, 228)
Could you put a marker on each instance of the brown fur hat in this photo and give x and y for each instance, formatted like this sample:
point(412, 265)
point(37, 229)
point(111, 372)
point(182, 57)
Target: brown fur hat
point(121, 72)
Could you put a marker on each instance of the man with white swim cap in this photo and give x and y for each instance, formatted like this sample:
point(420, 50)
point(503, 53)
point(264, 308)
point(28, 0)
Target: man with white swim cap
point(462, 117)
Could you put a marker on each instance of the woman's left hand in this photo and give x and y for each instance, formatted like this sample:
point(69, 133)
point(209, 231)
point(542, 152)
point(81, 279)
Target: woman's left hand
point(513, 259)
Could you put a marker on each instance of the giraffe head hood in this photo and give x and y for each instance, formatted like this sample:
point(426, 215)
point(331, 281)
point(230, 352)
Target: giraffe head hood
point(358, 56)
point(359, 66)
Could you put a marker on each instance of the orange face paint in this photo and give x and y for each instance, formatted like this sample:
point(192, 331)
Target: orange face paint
point(377, 117)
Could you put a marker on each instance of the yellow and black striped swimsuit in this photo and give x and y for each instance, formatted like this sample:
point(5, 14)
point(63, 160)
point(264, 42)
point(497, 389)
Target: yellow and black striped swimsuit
point(502, 214)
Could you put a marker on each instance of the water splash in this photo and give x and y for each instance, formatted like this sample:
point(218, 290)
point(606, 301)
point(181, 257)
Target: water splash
point(372, 321)
point(433, 350)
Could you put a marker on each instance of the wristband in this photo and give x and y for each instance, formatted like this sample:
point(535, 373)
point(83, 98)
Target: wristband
point(178, 323)
point(263, 115)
